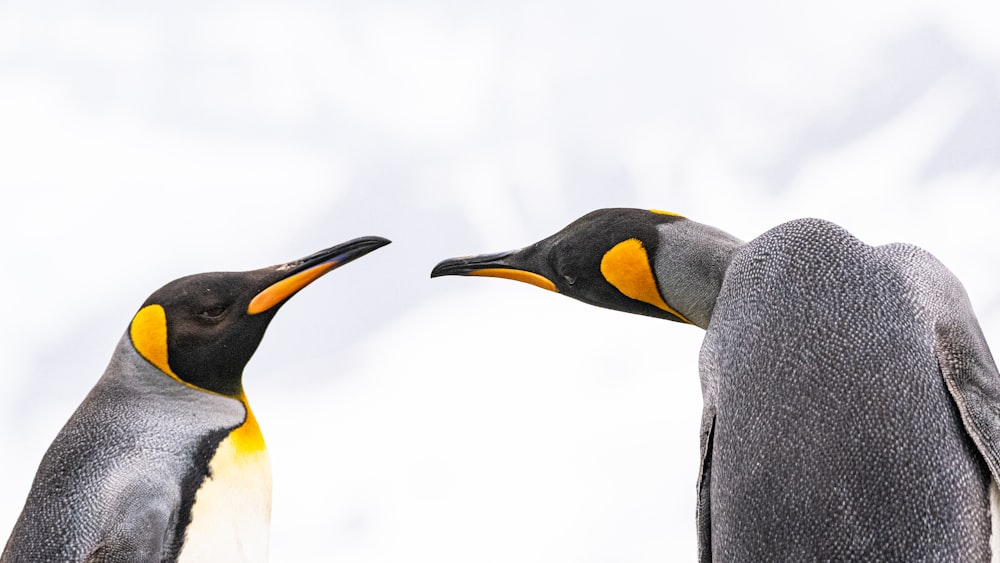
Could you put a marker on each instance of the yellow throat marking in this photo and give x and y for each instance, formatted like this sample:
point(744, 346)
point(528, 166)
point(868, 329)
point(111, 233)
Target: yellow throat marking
point(246, 438)
point(626, 266)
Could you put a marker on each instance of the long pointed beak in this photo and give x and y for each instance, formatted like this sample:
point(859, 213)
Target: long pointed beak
point(300, 273)
point(499, 265)
point(469, 265)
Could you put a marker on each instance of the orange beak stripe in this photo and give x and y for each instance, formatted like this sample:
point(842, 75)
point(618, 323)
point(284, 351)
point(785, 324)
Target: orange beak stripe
point(517, 275)
point(281, 290)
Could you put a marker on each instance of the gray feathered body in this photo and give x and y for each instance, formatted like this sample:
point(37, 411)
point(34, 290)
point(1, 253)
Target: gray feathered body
point(830, 431)
point(118, 482)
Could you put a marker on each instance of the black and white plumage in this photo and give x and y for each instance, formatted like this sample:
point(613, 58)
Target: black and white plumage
point(851, 403)
point(163, 461)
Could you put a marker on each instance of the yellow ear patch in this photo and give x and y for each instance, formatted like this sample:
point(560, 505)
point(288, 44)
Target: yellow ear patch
point(671, 213)
point(626, 266)
point(517, 275)
point(149, 336)
point(279, 291)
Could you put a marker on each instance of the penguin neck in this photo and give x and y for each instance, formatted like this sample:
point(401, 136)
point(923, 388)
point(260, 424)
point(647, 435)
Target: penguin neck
point(691, 263)
point(247, 437)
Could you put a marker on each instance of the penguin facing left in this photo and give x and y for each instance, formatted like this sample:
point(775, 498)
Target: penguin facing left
point(164, 460)
point(851, 402)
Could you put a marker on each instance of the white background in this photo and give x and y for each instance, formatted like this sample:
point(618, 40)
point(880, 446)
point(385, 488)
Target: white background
point(461, 419)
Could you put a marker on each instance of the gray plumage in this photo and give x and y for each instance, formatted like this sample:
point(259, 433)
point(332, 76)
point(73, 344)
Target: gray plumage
point(833, 375)
point(109, 489)
point(851, 403)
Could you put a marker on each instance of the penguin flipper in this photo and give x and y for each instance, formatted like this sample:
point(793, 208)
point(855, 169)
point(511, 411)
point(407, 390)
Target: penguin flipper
point(703, 516)
point(963, 356)
point(971, 376)
point(137, 537)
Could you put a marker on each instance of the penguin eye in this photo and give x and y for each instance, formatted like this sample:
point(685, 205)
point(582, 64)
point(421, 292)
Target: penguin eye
point(213, 313)
point(561, 265)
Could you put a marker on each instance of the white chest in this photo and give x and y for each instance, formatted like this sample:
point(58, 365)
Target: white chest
point(231, 516)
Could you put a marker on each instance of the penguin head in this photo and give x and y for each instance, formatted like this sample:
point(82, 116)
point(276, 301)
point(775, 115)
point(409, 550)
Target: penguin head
point(203, 329)
point(605, 258)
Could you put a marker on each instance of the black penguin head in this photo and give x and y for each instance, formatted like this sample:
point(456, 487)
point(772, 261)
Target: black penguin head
point(203, 329)
point(603, 258)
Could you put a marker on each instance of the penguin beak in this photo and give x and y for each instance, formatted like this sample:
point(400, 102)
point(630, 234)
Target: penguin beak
point(300, 273)
point(501, 265)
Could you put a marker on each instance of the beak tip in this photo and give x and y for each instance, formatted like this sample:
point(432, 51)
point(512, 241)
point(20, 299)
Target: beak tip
point(364, 245)
point(469, 265)
point(441, 269)
point(376, 242)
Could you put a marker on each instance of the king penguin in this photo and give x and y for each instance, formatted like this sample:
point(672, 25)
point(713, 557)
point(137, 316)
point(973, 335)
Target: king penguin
point(164, 460)
point(851, 402)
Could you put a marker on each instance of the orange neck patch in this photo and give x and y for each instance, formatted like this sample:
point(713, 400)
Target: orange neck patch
point(247, 438)
point(517, 275)
point(626, 266)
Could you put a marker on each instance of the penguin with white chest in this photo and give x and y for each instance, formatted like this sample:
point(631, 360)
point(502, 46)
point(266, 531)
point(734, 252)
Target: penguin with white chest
point(851, 402)
point(164, 460)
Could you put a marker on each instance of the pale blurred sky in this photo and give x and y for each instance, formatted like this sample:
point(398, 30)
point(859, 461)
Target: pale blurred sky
point(461, 419)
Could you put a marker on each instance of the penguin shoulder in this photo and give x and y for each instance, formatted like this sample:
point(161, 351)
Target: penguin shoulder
point(803, 252)
point(963, 355)
point(931, 281)
point(807, 236)
point(113, 478)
